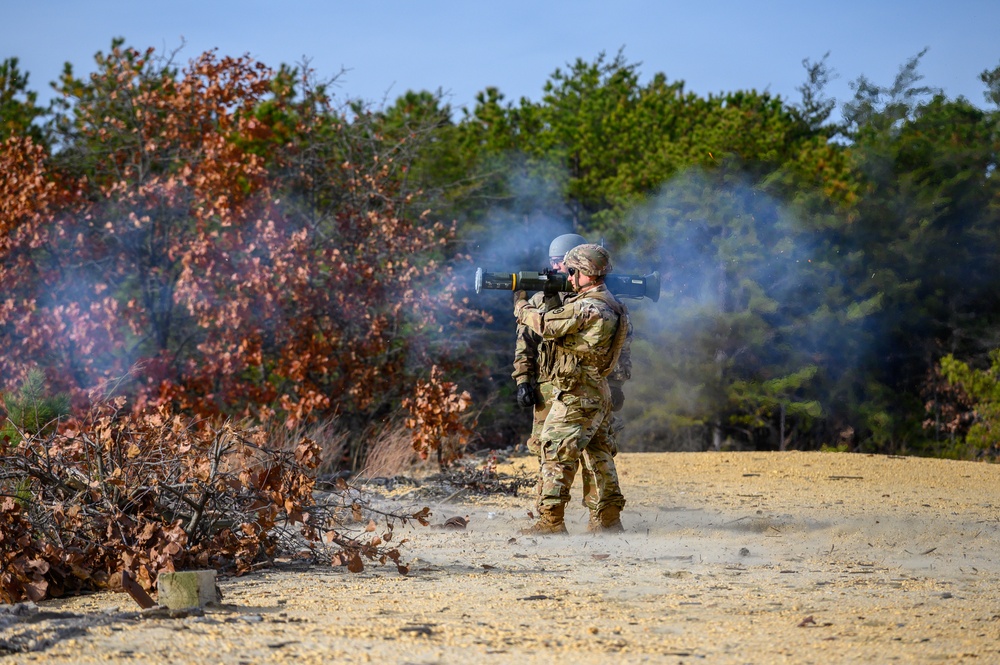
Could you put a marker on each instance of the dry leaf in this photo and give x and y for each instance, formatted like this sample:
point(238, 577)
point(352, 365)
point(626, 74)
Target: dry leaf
point(456, 523)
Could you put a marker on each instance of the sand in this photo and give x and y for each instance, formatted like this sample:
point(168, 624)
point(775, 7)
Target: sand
point(727, 558)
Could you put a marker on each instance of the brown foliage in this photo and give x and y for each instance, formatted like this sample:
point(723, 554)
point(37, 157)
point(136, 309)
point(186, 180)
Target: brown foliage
point(116, 493)
point(253, 253)
point(434, 417)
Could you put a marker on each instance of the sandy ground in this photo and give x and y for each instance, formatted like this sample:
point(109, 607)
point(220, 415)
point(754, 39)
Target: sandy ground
point(727, 558)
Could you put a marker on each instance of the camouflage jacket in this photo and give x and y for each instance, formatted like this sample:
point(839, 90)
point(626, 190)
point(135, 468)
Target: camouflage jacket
point(533, 356)
point(575, 340)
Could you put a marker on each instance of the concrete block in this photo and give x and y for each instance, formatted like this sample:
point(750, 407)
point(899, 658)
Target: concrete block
point(186, 589)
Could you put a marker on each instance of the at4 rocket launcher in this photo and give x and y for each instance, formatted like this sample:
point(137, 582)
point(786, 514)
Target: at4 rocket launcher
point(625, 286)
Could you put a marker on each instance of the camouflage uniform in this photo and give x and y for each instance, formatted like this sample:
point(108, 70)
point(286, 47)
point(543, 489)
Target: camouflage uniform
point(587, 337)
point(534, 361)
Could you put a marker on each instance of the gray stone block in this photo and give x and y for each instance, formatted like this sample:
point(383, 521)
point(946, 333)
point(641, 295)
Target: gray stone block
point(186, 589)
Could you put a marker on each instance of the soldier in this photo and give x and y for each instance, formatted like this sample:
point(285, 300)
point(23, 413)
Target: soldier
point(587, 335)
point(533, 371)
point(533, 358)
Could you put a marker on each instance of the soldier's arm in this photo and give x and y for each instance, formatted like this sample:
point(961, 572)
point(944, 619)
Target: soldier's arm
point(525, 355)
point(622, 371)
point(559, 322)
point(526, 349)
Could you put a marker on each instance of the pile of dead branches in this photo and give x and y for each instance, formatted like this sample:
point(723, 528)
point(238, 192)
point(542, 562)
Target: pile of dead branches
point(483, 478)
point(117, 492)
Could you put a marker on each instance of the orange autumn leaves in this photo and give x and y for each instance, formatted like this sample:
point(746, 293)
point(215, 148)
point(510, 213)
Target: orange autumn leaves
point(232, 242)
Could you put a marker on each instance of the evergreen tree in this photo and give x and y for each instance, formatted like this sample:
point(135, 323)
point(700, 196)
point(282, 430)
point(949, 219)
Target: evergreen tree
point(31, 410)
point(19, 111)
point(924, 255)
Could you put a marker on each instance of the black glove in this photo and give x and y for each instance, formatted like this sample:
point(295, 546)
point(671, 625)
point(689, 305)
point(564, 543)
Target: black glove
point(617, 398)
point(525, 395)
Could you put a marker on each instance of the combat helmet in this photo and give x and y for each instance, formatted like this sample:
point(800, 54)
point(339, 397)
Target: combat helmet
point(589, 259)
point(562, 244)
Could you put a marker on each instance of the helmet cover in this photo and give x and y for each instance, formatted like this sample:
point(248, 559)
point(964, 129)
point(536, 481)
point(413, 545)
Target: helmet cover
point(589, 259)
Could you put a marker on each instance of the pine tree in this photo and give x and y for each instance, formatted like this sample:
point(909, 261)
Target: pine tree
point(31, 410)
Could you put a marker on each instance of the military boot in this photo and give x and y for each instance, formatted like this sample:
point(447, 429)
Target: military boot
point(550, 521)
point(606, 520)
point(594, 524)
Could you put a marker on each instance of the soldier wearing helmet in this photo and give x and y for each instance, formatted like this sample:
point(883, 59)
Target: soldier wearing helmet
point(586, 335)
point(533, 357)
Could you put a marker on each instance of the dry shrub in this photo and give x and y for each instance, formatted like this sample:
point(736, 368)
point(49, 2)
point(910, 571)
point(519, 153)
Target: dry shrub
point(435, 418)
point(116, 492)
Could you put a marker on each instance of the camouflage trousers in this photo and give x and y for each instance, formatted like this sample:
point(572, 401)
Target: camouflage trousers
point(543, 404)
point(575, 431)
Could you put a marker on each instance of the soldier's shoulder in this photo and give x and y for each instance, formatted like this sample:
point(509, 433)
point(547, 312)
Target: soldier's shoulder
point(602, 300)
point(592, 308)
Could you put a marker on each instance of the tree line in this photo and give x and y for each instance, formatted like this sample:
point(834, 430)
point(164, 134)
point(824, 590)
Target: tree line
point(230, 239)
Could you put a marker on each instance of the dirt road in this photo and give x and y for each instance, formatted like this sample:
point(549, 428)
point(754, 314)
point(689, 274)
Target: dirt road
point(728, 558)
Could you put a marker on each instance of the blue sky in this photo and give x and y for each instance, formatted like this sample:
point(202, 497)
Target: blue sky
point(390, 46)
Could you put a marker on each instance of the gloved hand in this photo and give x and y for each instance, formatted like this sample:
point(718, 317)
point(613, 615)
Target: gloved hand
point(525, 395)
point(520, 301)
point(617, 398)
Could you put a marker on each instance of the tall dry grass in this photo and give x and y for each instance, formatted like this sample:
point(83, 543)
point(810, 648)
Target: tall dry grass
point(390, 453)
point(333, 440)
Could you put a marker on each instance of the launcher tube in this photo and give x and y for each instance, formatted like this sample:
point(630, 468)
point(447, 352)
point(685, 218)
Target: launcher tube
point(626, 286)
